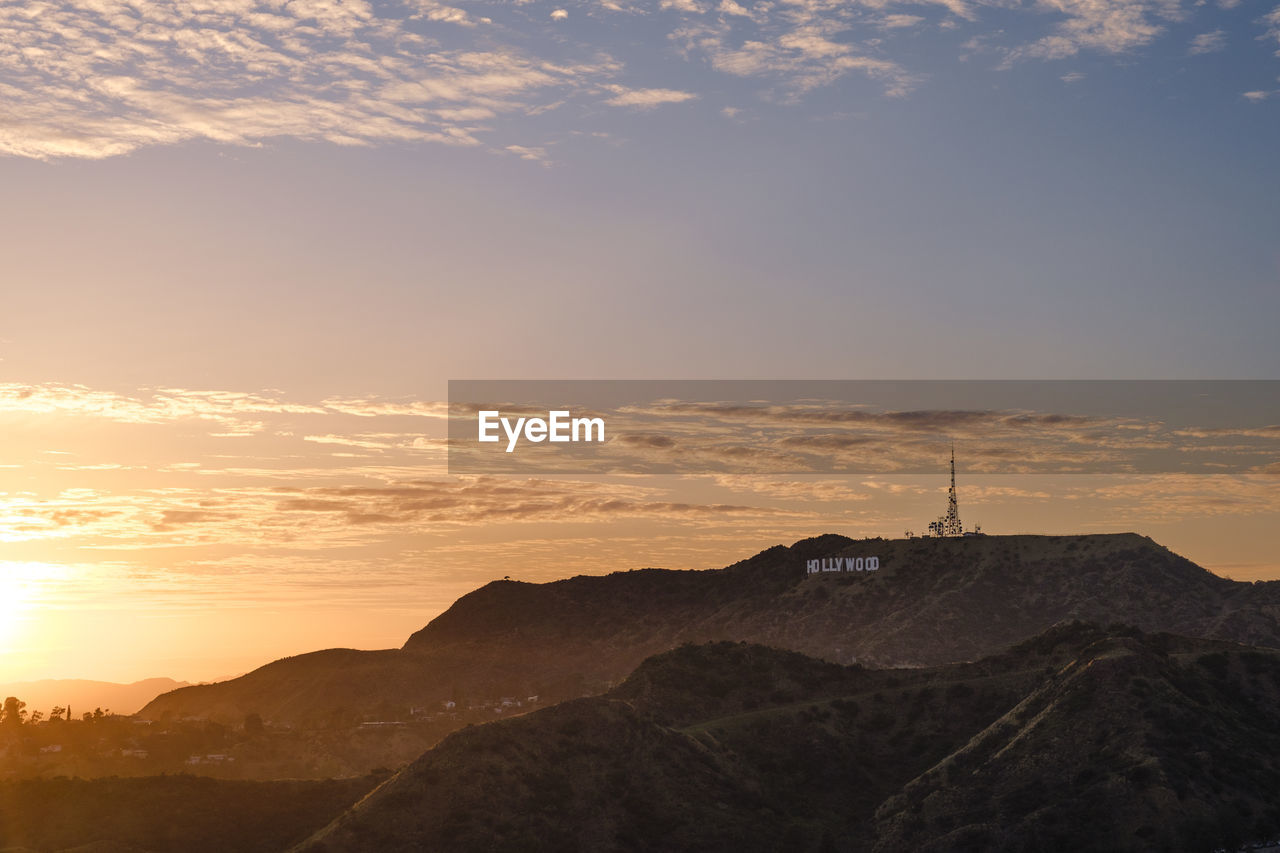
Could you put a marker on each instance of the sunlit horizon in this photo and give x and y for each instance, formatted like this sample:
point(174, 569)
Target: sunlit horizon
point(198, 535)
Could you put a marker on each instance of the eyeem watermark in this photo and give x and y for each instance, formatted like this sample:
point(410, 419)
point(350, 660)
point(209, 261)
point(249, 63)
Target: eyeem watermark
point(863, 427)
point(558, 426)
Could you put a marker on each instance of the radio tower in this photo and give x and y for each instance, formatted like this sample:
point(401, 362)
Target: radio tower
point(949, 524)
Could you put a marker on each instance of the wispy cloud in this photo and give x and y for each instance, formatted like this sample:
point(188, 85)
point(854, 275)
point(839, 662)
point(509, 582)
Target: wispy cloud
point(826, 436)
point(894, 22)
point(1271, 21)
point(646, 98)
point(98, 78)
point(798, 51)
point(535, 153)
point(1114, 27)
point(234, 412)
point(1210, 42)
point(94, 78)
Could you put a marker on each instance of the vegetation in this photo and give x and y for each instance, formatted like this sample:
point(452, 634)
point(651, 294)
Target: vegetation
point(104, 744)
point(1082, 739)
point(750, 708)
point(182, 814)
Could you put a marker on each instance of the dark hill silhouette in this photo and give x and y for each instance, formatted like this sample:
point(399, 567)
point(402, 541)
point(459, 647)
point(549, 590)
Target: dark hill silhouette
point(1082, 739)
point(1148, 747)
point(168, 814)
point(933, 601)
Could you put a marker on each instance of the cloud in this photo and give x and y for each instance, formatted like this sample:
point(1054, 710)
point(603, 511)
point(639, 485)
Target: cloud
point(163, 405)
point(800, 53)
point(968, 421)
point(228, 408)
point(102, 78)
point(1175, 497)
point(266, 417)
point(647, 98)
point(730, 7)
point(1271, 21)
point(817, 436)
point(688, 6)
point(434, 11)
point(174, 518)
point(1106, 26)
point(371, 407)
point(97, 78)
point(804, 490)
point(535, 153)
point(315, 518)
point(1072, 77)
point(895, 22)
point(487, 499)
point(1271, 431)
point(375, 441)
point(1210, 42)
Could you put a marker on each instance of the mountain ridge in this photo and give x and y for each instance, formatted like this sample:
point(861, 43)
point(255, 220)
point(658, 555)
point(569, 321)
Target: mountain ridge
point(932, 601)
point(1076, 739)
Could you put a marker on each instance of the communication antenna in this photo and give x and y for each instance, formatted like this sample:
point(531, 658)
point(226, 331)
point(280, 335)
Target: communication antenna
point(949, 524)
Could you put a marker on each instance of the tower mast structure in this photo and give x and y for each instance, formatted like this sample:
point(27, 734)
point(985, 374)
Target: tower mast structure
point(949, 524)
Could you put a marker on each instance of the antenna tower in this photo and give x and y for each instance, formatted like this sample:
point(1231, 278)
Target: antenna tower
point(949, 524)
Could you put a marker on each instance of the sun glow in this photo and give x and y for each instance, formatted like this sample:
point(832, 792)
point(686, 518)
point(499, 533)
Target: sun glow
point(22, 587)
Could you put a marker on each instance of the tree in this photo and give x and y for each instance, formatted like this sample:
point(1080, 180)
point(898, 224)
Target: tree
point(253, 724)
point(57, 713)
point(13, 713)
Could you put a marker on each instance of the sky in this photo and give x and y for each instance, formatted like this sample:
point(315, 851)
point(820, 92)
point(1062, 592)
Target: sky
point(246, 245)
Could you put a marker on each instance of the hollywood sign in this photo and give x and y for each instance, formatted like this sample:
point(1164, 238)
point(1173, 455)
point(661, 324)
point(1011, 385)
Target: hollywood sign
point(843, 564)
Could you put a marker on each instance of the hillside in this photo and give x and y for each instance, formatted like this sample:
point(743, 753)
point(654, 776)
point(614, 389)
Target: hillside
point(1149, 748)
point(1082, 739)
point(932, 601)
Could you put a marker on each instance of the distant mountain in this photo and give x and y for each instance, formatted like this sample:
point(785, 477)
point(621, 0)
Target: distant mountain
point(83, 695)
point(932, 601)
point(1081, 739)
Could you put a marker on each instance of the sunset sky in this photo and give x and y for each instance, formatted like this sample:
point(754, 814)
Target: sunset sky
point(246, 245)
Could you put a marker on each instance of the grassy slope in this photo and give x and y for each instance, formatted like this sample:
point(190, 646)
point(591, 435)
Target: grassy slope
point(1076, 740)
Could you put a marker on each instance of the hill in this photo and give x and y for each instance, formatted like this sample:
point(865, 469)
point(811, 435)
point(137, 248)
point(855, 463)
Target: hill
point(1082, 739)
point(1134, 745)
point(932, 601)
point(81, 695)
